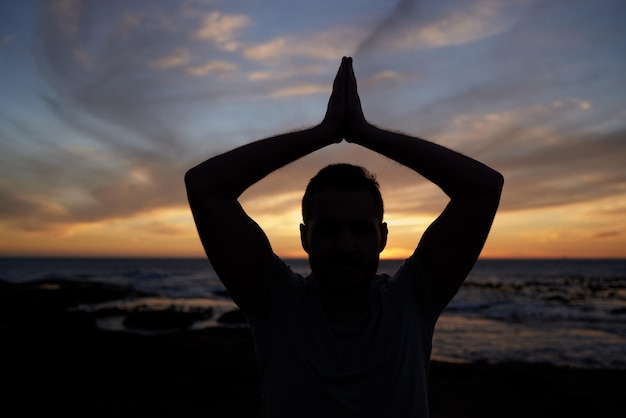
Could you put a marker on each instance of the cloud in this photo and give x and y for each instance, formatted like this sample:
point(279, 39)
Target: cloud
point(301, 90)
point(572, 177)
point(6, 40)
point(476, 20)
point(386, 75)
point(117, 97)
point(400, 15)
point(133, 93)
point(13, 206)
point(553, 169)
point(292, 70)
point(277, 204)
point(159, 228)
point(179, 57)
point(223, 30)
point(606, 234)
point(212, 67)
point(414, 25)
point(72, 191)
point(272, 49)
point(549, 152)
point(329, 44)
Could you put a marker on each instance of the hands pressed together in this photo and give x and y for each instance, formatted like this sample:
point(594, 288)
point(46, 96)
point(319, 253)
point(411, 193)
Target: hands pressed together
point(344, 117)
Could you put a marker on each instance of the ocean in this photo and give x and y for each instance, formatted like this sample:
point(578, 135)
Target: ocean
point(566, 312)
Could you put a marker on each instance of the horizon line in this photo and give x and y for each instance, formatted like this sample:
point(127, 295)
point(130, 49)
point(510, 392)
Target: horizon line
point(148, 257)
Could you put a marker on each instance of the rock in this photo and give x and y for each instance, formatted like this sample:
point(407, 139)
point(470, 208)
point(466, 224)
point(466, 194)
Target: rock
point(48, 303)
point(58, 295)
point(235, 317)
point(164, 318)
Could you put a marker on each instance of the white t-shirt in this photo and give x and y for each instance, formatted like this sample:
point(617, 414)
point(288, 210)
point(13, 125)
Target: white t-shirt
point(313, 367)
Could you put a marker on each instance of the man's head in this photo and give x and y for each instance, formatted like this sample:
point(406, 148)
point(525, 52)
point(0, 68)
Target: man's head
point(343, 232)
point(344, 177)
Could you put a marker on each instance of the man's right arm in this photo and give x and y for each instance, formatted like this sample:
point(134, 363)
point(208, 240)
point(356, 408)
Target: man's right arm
point(237, 247)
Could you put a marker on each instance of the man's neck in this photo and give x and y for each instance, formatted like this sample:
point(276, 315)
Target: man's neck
point(346, 303)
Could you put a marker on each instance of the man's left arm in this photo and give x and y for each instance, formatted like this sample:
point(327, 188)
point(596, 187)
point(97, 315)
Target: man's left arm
point(451, 245)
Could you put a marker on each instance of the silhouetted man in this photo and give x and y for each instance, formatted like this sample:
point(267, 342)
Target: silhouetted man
point(344, 341)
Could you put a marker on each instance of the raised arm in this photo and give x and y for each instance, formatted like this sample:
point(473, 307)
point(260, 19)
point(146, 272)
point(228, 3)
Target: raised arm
point(238, 249)
point(451, 245)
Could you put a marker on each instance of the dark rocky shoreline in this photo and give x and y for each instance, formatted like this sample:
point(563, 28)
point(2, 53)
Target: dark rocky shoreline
point(56, 360)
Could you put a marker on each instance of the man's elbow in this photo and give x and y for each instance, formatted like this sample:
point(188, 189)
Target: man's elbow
point(490, 188)
point(198, 183)
point(200, 177)
point(498, 182)
point(489, 185)
point(190, 178)
point(492, 183)
point(191, 182)
point(495, 189)
point(203, 182)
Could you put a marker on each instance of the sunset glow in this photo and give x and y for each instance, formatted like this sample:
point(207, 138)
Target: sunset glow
point(105, 105)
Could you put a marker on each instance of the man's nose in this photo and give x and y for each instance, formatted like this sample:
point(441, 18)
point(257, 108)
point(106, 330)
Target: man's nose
point(345, 240)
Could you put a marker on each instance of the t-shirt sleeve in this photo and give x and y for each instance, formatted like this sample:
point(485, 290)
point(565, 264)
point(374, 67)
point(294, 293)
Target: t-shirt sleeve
point(255, 307)
point(412, 276)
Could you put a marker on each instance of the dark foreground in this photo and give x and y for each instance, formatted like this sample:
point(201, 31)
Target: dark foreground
point(58, 362)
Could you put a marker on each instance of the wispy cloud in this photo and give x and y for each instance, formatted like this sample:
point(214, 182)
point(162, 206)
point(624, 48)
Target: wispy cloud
point(223, 30)
point(301, 90)
point(415, 24)
point(179, 57)
point(212, 67)
point(325, 45)
point(6, 40)
point(129, 95)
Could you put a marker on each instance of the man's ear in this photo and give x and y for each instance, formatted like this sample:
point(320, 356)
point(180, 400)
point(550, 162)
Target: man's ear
point(303, 237)
point(383, 236)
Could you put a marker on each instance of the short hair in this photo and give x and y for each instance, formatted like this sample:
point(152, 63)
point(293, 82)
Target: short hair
point(345, 177)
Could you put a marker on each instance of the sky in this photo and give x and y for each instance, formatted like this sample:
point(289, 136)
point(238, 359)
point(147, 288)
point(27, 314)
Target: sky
point(105, 105)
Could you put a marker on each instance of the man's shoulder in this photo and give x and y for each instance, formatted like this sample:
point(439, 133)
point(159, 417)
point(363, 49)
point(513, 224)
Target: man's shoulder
point(283, 273)
point(271, 288)
point(407, 271)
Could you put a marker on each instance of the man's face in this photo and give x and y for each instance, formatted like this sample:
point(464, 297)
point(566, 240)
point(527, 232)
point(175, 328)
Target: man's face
point(343, 238)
